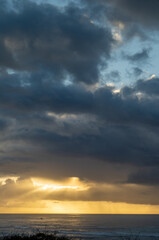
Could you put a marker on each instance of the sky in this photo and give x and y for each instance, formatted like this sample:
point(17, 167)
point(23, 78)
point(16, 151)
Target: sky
point(79, 106)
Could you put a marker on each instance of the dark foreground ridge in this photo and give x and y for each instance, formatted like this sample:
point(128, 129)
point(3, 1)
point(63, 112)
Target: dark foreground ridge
point(37, 236)
point(54, 236)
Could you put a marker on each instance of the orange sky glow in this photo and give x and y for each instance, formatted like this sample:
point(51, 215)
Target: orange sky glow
point(46, 196)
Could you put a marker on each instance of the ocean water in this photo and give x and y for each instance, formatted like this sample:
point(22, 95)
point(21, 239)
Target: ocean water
point(83, 226)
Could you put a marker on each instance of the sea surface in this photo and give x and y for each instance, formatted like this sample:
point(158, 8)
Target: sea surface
point(83, 226)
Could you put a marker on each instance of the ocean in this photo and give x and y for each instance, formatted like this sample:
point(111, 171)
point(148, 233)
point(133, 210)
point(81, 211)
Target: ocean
point(83, 226)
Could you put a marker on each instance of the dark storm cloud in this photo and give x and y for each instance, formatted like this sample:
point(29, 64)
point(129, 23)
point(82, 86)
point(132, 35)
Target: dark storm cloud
point(36, 36)
point(141, 56)
point(38, 92)
point(150, 87)
point(3, 124)
point(123, 130)
point(136, 16)
point(129, 106)
point(6, 58)
point(141, 11)
point(145, 176)
point(116, 144)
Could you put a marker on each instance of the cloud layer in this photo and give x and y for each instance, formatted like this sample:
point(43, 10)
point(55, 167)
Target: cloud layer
point(57, 120)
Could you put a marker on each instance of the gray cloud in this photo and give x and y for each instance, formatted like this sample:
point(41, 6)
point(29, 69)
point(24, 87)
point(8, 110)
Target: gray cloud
point(120, 132)
point(141, 56)
point(39, 92)
point(143, 11)
point(138, 18)
point(62, 41)
point(137, 71)
point(146, 176)
point(150, 87)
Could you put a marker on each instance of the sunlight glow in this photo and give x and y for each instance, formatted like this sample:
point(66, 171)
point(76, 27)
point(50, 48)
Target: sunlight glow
point(3, 180)
point(102, 207)
point(39, 195)
point(80, 207)
point(72, 183)
point(151, 77)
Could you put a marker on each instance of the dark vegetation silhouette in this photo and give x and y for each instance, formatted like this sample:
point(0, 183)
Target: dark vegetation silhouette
point(54, 236)
point(37, 236)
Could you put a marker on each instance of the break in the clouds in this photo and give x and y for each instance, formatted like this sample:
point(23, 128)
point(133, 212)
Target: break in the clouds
point(79, 103)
